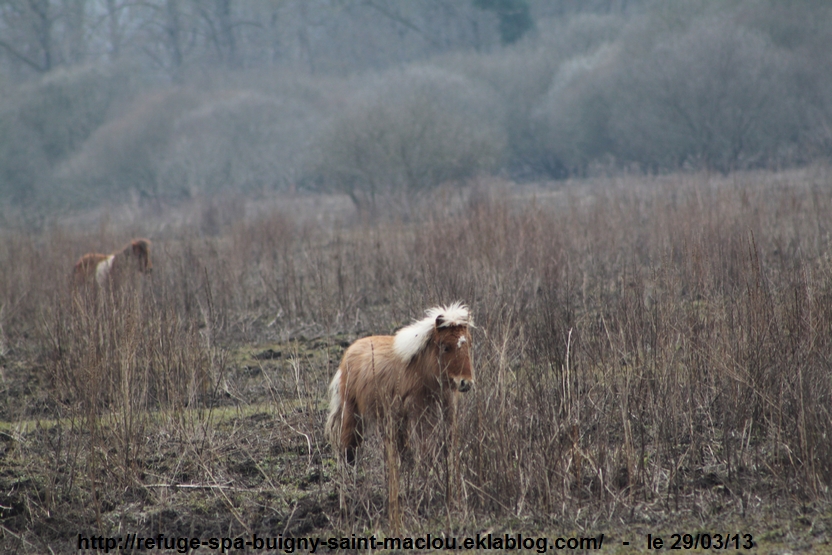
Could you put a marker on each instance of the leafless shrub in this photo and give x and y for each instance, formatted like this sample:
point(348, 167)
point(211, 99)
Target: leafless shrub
point(241, 141)
point(127, 153)
point(408, 133)
point(46, 121)
point(66, 106)
point(705, 98)
point(571, 120)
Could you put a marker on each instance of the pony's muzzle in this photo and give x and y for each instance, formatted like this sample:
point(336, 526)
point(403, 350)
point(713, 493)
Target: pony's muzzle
point(464, 385)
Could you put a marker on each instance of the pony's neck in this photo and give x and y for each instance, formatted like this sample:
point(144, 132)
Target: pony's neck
point(426, 365)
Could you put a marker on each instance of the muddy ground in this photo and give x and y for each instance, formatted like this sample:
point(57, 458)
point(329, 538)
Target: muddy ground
point(254, 461)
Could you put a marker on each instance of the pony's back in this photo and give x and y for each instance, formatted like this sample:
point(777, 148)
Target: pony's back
point(86, 266)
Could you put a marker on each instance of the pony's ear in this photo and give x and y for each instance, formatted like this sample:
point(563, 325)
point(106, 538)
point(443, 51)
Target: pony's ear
point(440, 320)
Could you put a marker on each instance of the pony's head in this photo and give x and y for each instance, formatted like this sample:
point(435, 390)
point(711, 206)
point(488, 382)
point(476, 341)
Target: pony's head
point(444, 336)
point(453, 350)
point(139, 249)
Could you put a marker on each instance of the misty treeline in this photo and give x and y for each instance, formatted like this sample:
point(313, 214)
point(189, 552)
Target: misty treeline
point(106, 100)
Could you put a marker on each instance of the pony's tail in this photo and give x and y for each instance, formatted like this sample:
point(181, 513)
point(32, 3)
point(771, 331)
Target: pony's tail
point(333, 422)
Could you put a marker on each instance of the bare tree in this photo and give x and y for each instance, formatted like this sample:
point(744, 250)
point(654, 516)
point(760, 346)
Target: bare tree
point(169, 33)
point(220, 24)
point(76, 21)
point(716, 96)
point(115, 28)
point(408, 134)
point(514, 16)
point(28, 33)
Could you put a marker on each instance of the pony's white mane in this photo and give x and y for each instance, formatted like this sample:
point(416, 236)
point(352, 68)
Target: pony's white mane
point(102, 271)
point(409, 341)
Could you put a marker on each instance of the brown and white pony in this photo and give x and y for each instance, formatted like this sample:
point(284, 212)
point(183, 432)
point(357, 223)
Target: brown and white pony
point(105, 267)
point(402, 377)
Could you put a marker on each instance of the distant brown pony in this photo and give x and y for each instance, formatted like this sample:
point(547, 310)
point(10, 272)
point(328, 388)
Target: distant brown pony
point(105, 268)
point(424, 366)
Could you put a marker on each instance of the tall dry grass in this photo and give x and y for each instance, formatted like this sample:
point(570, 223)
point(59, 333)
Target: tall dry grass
point(643, 344)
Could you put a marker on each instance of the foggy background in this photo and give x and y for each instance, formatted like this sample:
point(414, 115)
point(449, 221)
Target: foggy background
point(106, 101)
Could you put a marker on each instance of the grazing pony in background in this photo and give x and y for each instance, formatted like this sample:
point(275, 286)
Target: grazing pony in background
point(108, 268)
point(401, 377)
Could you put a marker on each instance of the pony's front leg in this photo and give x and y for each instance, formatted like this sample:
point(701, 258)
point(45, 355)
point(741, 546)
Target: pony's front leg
point(403, 439)
point(450, 448)
point(392, 438)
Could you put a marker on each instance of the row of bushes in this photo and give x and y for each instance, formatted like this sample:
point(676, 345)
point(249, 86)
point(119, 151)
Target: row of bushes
point(700, 86)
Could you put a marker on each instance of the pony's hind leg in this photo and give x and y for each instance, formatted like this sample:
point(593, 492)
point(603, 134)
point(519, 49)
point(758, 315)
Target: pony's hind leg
point(349, 438)
point(350, 434)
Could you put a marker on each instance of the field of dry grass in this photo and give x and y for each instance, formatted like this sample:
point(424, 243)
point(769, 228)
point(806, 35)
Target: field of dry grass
point(652, 355)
